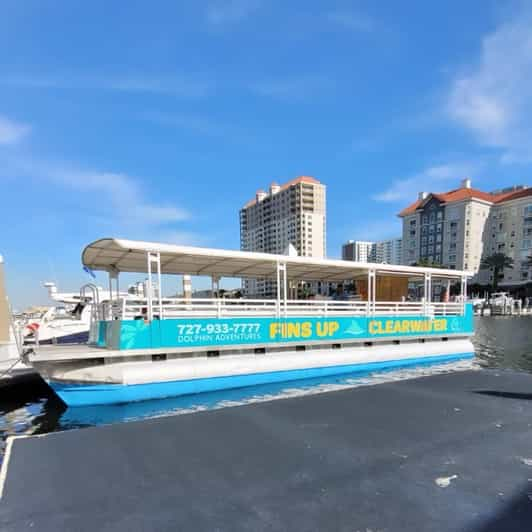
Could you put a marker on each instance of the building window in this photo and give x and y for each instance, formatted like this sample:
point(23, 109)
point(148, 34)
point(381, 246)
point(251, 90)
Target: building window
point(439, 215)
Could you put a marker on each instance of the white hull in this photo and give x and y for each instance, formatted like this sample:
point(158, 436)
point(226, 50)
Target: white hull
point(147, 371)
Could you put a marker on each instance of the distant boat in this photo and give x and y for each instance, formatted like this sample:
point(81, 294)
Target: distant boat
point(68, 321)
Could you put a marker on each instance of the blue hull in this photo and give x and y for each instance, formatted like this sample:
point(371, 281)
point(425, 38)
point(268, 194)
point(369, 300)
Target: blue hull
point(102, 394)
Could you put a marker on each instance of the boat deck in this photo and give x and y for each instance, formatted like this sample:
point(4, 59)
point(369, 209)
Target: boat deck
point(443, 453)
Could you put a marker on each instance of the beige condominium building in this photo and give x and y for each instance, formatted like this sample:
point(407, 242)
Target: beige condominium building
point(458, 228)
point(289, 218)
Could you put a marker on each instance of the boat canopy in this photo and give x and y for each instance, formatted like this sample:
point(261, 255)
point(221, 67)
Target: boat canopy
point(117, 255)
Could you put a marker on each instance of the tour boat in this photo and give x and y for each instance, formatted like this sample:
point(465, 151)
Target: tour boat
point(157, 347)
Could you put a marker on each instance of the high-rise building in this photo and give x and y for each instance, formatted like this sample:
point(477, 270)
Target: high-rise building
point(290, 214)
point(388, 251)
point(359, 251)
point(458, 228)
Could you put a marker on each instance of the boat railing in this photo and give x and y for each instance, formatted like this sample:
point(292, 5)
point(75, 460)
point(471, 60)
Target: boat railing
point(137, 308)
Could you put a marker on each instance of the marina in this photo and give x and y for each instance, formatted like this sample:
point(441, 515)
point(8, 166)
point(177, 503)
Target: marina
point(266, 266)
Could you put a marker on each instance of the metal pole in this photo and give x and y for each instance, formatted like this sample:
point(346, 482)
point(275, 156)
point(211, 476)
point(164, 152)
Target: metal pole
point(159, 281)
point(110, 287)
point(149, 294)
point(463, 292)
point(278, 288)
point(425, 290)
point(284, 287)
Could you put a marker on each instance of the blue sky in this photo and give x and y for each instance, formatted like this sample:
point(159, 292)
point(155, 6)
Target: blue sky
point(158, 120)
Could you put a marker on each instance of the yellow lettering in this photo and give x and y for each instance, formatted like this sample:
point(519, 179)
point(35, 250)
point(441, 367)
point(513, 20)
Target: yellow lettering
point(321, 328)
point(373, 327)
point(274, 329)
point(333, 327)
point(306, 329)
point(293, 330)
point(388, 327)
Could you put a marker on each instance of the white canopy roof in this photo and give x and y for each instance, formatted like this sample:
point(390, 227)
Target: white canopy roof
point(111, 254)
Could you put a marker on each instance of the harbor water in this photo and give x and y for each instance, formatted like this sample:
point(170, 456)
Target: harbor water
point(500, 342)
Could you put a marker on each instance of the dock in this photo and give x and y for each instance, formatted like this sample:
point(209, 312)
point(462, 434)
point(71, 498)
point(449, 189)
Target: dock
point(450, 452)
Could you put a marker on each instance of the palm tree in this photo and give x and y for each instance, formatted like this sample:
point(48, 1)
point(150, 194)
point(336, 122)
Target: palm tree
point(497, 262)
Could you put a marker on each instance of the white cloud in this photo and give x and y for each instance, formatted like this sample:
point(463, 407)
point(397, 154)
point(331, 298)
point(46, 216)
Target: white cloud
point(12, 132)
point(431, 179)
point(297, 88)
point(228, 12)
point(353, 21)
point(182, 86)
point(112, 199)
point(191, 122)
point(493, 100)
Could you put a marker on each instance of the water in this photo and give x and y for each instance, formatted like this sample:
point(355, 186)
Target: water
point(499, 342)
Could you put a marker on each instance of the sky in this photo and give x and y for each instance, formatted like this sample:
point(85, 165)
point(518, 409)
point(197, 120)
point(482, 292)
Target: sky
point(158, 120)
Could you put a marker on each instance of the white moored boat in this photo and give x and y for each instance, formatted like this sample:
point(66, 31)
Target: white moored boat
point(154, 346)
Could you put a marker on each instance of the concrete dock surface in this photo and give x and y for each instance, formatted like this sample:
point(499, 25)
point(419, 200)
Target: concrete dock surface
point(449, 452)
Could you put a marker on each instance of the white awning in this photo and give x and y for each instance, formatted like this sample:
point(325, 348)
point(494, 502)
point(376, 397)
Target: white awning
point(111, 254)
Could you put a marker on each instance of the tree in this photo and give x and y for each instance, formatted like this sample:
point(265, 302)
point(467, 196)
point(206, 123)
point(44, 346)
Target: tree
point(497, 262)
point(426, 263)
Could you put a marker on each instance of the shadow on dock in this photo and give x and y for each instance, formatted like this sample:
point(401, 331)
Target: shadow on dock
point(506, 395)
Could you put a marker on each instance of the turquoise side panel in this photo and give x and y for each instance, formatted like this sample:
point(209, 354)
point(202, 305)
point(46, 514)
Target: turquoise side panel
point(100, 394)
point(102, 333)
point(214, 332)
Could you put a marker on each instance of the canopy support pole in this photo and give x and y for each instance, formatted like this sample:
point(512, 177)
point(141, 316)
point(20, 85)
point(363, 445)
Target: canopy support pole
point(372, 289)
point(215, 286)
point(154, 258)
point(284, 288)
point(427, 293)
point(278, 270)
point(281, 303)
point(463, 292)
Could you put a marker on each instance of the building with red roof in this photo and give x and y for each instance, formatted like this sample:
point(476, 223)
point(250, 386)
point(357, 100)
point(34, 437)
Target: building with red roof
point(459, 227)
